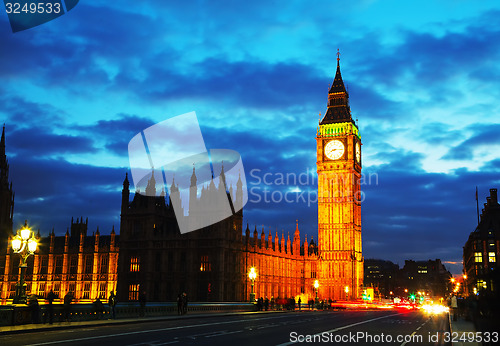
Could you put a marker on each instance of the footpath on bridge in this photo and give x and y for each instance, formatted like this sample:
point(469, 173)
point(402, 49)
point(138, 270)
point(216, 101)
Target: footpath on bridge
point(461, 326)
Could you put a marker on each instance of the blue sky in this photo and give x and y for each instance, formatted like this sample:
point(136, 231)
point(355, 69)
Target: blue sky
point(423, 82)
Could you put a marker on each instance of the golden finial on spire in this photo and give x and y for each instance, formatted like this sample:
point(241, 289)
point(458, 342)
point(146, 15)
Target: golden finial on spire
point(338, 55)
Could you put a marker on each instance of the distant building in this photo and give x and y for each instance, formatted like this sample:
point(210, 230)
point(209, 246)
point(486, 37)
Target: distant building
point(481, 251)
point(430, 277)
point(425, 276)
point(382, 275)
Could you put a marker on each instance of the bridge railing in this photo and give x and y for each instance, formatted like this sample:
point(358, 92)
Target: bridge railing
point(23, 314)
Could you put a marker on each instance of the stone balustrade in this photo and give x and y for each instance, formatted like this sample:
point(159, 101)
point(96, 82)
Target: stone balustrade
point(23, 314)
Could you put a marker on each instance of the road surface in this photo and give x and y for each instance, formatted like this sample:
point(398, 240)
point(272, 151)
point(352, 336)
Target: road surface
point(276, 328)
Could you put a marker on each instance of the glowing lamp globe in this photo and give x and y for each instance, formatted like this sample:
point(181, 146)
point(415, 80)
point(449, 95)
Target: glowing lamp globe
point(25, 233)
point(32, 245)
point(16, 243)
point(252, 275)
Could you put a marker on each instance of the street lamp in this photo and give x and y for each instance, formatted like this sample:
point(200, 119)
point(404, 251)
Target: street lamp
point(252, 275)
point(316, 285)
point(466, 287)
point(24, 243)
point(346, 290)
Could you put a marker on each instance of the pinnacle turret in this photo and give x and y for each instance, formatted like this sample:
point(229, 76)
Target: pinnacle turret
point(6, 195)
point(4, 165)
point(151, 188)
point(193, 178)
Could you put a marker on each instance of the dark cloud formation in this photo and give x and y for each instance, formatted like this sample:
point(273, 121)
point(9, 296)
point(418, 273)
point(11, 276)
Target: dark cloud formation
point(50, 191)
point(482, 136)
point(421, 215)
point(116, 133)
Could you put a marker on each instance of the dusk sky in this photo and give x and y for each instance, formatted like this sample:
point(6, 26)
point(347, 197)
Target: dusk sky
point(423, 79)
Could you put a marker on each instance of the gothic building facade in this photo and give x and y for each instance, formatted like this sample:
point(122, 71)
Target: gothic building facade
point(76, 263)
point(211, 263)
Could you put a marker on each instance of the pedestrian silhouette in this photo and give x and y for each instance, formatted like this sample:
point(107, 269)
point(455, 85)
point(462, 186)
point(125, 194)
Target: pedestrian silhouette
point(180, 309)
point(98, 308)
point(33, 305)
point(112, 304)
point(184, 303)
point(50, 308)
point(454, 307)
point(68, 298)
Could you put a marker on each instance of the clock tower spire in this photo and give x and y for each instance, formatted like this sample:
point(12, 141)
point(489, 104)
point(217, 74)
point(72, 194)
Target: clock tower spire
point(338, 144)
point(338, 110)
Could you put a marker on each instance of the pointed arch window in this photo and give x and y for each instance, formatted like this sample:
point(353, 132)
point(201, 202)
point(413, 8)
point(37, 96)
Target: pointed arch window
point(135, 263)
point(205, 265)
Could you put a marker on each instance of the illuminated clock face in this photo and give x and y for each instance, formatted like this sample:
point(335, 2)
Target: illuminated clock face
point(334, 149)
point(358, 152)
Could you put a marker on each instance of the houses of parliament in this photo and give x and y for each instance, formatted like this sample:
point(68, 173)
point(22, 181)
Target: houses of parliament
point(212, 263)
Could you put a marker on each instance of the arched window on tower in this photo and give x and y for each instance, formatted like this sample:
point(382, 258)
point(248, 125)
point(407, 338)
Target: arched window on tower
point(135, 263)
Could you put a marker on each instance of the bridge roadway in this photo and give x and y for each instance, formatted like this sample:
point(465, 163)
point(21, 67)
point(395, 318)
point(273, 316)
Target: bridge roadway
point(258, 328)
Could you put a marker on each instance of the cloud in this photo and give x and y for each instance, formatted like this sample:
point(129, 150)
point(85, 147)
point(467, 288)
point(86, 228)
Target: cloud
point(50, 191)
point(421, 215)
point(24, 113)
point(116, 133)
point(47, 144)
point(493, 166)
point(482, 135)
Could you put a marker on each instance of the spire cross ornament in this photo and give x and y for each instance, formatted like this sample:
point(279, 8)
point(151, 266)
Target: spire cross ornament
point(338, 55)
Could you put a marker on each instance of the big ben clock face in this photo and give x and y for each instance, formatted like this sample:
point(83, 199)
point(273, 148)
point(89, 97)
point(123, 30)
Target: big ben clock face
point(334, 149)
point(358, 152)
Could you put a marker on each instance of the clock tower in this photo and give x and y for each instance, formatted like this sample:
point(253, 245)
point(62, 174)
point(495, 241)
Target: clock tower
point(339, 197)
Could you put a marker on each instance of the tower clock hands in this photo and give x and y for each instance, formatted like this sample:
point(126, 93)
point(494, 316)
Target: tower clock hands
point(334, 149)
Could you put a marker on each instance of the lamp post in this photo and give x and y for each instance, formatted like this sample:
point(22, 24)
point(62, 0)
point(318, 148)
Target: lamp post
point(346, 290)
point(466, 288)
point(24, 243)
point(252, 275)
point(316, 285)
